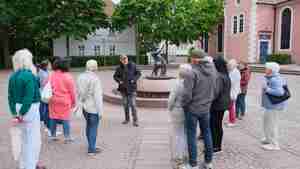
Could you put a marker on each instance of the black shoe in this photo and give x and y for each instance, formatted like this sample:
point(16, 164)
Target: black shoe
point(216, 150)
point(200, 137)
point(135, 124)
point(125, 122)
point(97, 151)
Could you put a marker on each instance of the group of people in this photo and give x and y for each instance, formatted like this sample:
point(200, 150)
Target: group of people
point(27, 104)
point(204, 91)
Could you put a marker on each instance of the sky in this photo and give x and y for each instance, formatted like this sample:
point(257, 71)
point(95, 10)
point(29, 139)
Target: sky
point(116, 1)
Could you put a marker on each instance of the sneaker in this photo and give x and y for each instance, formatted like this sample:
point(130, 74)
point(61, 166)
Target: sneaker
point(240, 118)
point(200, 137)
point(68, 140)
point(52, 138)
point(135, 124)
point(264, 141)
point(270, 147)
point(217, 150)
point(125, 122)
point(97, 151)
point(183, 166)
point(208, 166)
point(58, 133)
point(231, 124)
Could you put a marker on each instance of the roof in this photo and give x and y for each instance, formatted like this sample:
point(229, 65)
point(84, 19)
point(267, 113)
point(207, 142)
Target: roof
point(272, 2)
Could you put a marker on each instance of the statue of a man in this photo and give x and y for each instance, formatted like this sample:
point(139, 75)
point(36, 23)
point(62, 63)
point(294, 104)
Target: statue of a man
point(159, 62)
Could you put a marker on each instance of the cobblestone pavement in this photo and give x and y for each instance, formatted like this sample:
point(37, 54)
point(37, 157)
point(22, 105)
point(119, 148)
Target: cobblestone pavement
point(147, 147)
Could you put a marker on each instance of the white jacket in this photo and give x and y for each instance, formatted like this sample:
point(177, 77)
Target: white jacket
point(90, 94)
point(174, 103)
point(235, 78)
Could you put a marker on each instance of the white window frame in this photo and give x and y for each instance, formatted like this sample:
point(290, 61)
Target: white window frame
point(292, 30)
point(81, 50)
point(232, 27)
point(236, 3)
point(97, 50)
point(239, 22)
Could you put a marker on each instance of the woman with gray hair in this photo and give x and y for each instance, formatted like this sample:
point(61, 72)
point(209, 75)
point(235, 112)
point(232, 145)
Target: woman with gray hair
point(274, 85)
point(24, 98)
point(175, 109)
point(90, 97)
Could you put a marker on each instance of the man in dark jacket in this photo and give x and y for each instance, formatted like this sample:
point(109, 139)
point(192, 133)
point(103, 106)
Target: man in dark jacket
point(199, 92)
point(126, 76)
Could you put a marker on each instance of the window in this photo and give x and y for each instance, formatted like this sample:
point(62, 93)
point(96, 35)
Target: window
point(241, 23)
point(235, 22)
point(97, 50)
point(205, 42)
point(81, 50)
point(112, 50)
point(238, 2)
point(286, 21)
point(220, 38)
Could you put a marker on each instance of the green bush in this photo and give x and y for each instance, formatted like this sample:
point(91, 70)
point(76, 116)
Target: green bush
point(280, 58)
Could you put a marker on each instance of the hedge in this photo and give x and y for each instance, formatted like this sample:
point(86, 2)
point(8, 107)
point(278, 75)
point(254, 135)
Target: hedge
point(280, 58)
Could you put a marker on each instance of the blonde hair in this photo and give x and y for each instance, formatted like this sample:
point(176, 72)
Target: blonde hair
point(91, 65)
point(232, 64)
point(22, 59)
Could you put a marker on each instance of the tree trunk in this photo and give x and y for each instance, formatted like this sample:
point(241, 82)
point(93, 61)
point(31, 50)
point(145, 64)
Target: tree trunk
point(68, 45)
point(167, 51)
point(137, 43)
point(7, 59)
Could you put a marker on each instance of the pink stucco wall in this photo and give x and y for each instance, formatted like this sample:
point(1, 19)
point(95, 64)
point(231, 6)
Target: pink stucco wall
point(237, 44)
point(295, 49)
point(264, 24)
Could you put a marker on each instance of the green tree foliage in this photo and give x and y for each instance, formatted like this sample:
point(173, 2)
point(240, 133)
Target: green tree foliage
point(39, 21)
point(177, 21)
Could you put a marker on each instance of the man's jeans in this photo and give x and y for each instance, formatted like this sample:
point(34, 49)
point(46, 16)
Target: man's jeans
point(92, 123)
point(241, 105)
point(191, 121)
point(129, 102)
point(66, 127)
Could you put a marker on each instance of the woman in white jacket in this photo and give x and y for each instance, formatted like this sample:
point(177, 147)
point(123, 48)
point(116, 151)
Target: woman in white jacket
point(235, 78)
point(90, 98)
point(179, 142)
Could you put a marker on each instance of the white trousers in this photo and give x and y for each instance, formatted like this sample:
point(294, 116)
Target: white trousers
point(31, 138)
point(270, 125)
point(179, 141)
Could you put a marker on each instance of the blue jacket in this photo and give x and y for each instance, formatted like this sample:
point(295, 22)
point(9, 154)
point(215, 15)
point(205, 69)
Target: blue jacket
point(274, 86)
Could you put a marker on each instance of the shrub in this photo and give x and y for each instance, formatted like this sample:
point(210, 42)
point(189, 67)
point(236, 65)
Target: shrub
point(280, 58)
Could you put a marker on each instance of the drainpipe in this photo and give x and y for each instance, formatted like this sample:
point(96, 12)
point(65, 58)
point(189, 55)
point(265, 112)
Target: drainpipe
point(274, 29)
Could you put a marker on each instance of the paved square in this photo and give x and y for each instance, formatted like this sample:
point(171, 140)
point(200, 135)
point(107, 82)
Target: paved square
point(147, 147)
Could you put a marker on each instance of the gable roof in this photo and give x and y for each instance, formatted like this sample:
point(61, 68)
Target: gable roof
point(272, 2)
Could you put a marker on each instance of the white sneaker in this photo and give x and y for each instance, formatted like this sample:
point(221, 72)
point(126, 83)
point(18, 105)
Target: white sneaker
point(58, 133)
point(208, 166)
point(183, 166)
point(264, 141)
point(270, 147)
point(188, 166)
point(231, 124)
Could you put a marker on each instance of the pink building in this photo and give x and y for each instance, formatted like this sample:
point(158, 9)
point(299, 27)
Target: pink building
point(256, 28)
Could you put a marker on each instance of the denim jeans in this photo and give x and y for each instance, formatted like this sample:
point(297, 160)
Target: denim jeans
point(92, 123)
point(66, 127)
point(191, 121)
point(129, 102)
point(44, 113)
point(241, 105)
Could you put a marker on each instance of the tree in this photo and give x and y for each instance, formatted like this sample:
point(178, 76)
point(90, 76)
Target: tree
point(175, 21)
point(35, 23)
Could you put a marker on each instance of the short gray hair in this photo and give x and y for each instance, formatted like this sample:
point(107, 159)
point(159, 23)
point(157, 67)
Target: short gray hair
point(275, 67)
point(22, 59)
point(232, 64)
point(184, 69)
point(91, 65)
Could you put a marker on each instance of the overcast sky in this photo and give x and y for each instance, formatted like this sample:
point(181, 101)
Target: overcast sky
point(116, 1)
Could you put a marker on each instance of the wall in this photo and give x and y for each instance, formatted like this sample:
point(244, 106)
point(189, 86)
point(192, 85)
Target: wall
point(124, 43)
point(236, 45)
point(295, 49)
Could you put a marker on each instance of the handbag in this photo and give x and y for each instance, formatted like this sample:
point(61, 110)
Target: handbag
point(47, 92)
point(280, 99)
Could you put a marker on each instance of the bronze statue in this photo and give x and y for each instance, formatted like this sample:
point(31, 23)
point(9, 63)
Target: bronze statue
point(159, 63)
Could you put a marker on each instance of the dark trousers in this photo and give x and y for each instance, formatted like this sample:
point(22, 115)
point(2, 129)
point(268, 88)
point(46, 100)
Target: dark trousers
point(216, 126)
point(129, 103)
point(191, 121)
point(66, 127)
point(92, 123)
point(241, 105)
point(44, 114)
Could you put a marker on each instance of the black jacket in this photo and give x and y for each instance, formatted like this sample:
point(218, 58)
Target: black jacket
point(222, 95)
point(126, 76)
